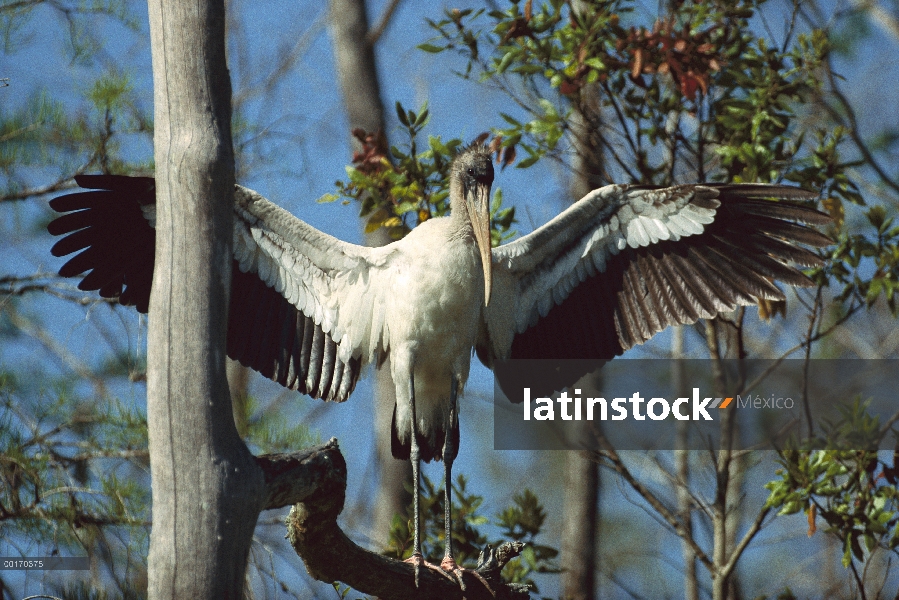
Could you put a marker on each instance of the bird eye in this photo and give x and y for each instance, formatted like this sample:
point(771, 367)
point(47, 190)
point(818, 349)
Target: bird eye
point(471, 172)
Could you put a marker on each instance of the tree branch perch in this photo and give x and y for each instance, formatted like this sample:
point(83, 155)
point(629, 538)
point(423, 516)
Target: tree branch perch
point(316, 481)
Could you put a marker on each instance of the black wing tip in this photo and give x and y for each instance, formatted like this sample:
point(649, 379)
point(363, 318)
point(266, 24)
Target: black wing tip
point(103, 181)
point(791, 202)
point(104, 225)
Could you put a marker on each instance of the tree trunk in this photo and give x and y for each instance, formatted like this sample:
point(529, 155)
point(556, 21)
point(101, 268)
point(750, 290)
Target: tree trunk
point(582, 515)
point(579, 528)
point(582, 474)
point(682, 471)
point(356, 69)
point(207, 489)
point(361, 92)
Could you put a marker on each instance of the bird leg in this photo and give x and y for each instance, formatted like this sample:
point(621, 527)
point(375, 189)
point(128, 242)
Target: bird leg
point(450, 451)
point(415, 456)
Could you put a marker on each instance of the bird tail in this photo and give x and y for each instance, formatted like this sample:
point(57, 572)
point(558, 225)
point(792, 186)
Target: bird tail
point(430, 446)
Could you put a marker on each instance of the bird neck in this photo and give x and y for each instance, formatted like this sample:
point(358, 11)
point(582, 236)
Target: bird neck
point(460, 220)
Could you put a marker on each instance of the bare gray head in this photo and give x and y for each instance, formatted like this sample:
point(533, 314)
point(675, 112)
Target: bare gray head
point(473, 166)
point(471, 176)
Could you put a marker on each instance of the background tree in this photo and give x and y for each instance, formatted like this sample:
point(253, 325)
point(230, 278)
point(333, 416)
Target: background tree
point(289, 113)
point(354, 47)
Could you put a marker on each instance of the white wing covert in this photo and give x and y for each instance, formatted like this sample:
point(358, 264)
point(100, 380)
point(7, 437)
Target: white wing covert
point(625, 262)
point(296, 315)
point(314, 308)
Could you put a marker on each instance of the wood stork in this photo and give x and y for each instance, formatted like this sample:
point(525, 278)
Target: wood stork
point(308, 310)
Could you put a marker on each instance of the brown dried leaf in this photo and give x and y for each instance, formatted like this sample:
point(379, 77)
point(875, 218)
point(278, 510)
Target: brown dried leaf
point(569, 87)
point(768, 309)
point(834, 207)
point(495, 145)
point(637, 67)
point(509, 156)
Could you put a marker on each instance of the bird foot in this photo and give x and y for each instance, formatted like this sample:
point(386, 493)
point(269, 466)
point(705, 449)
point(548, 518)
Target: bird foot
point(416, 560)
point(448, 564)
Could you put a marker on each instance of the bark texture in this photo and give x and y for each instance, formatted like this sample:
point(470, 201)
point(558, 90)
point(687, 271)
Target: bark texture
point(207, 489)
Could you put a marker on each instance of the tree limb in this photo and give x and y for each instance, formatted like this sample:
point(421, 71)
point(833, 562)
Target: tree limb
point(378, 30)
point(330, 556)
point(295, 477)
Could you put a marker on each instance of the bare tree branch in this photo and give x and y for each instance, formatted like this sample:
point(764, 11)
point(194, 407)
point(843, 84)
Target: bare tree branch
point(851, 123)
point(330, 556)
point(62, 184)
point(880, 17)
point(294, 477)
point(731, 564)
point(378, 30)
point(619, 467)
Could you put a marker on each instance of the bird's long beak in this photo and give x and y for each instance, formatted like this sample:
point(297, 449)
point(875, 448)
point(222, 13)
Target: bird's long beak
point(479, 212)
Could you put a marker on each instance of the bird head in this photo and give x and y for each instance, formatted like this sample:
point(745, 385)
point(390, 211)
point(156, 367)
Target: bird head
point(470, 180)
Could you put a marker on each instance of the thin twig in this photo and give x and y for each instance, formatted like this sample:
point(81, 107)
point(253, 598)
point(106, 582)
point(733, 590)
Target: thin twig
point(375, 33)
point(619, 467)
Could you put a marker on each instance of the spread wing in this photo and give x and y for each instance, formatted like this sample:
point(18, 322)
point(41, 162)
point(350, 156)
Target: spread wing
point(626, 262)
point(302, 308)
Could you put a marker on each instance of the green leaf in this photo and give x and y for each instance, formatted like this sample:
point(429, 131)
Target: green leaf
point(527, 162)
point(509, 119)
point(430, 48)
point(405, 207)
point(401, 114)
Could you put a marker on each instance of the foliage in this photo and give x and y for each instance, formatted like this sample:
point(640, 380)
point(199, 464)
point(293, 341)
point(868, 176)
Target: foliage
point(74, 472)
point(700, 95)
point(267, 429)
point(695, 96)
point(78, 16)
point(867, 264)
point(400, 196)
point(848, 484)
point(42, 134)
point(522, 521)
point(727, 121)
